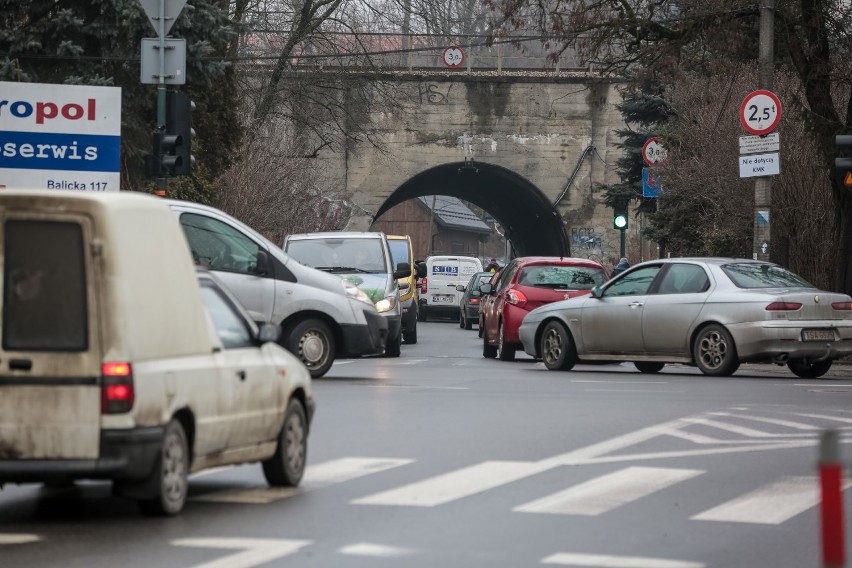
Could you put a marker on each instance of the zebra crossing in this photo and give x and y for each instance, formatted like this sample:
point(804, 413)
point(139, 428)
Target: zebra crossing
point(738, 429)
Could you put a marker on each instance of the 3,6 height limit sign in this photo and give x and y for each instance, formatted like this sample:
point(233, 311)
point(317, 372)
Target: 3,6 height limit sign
point(760, 112)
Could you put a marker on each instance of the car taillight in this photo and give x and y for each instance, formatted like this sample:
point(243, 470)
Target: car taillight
point(516, 297)
point(117, 393)
point(473, 301)
point(842, 305)
point(783, 307)
point(423, 285)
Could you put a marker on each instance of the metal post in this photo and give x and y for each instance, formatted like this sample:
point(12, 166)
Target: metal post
point(162, 180)
point(623, 252)
point(831, 503)
point(763, 185)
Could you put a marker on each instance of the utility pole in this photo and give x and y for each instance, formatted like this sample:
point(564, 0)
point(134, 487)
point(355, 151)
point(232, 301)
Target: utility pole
point(763, 184)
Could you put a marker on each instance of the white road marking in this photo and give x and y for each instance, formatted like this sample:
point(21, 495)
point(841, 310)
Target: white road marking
point(316, 476)
point(344, 362)
point(608, 492)
point(404, 362)
point(818, 385)
point(430, 387)
point(454, 485)
point(254, 551)
point(14, 538)
point(637, 391)
point(824, 417)
point(379, 550)
point(776, 421)
point(741, 430)
point(772, 504)
point(606, 561)
point(620, 382)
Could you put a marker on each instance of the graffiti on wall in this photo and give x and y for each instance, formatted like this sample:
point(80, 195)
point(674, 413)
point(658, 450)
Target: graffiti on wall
point(430, 93)
point(585, 243)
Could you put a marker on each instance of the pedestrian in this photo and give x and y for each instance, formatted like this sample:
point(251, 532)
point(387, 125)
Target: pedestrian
point(492, 265)
point(620, 267)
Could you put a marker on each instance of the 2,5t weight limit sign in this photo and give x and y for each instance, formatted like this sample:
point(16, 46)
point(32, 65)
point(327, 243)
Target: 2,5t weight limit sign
point(760, 112)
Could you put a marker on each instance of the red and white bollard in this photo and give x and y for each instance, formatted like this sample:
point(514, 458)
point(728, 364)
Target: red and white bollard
point(831, 504)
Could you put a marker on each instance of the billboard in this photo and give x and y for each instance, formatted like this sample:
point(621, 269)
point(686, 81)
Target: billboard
point(63, 137)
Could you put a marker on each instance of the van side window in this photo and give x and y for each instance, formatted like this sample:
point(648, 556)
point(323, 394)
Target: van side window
point(218, 246)
point(44, 287)
point(232, 329)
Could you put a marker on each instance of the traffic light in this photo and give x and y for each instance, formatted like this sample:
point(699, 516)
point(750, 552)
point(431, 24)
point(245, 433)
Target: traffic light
point(179, 109)
point(619, 219)
point(164, 160)
point(843, 166)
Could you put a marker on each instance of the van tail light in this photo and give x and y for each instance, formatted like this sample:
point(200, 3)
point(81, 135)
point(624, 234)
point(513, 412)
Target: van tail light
point(516, 298)
point(842, 306)
point(423, 285)
point(117, 393)
point(783, 307)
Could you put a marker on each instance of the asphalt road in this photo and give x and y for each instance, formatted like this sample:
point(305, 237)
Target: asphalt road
point(444, 458)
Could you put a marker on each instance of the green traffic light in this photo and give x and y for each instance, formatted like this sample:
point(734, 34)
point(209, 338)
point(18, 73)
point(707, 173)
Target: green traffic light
point(619, 221)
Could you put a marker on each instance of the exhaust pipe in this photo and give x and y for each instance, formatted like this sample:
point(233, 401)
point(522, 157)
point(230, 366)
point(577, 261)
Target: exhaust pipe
point(781, 359)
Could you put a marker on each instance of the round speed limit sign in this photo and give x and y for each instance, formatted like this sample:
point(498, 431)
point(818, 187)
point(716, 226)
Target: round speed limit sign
point(760, 112)
point(453, 57)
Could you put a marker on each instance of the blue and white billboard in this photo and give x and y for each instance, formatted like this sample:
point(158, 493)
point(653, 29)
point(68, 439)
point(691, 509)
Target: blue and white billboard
point(60, 137)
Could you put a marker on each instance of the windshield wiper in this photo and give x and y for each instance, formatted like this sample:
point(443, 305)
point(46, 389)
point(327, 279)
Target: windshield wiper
point(341, 269)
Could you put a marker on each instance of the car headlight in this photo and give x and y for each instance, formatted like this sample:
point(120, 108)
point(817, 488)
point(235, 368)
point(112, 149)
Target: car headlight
point(386, 304)
point(355, 292)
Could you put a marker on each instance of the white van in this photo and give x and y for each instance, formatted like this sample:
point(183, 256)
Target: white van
point(120, 361)
point(438, 293)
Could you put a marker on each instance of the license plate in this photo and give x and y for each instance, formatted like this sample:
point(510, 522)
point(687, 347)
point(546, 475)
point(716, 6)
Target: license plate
point(818, 335)
point(443, 299)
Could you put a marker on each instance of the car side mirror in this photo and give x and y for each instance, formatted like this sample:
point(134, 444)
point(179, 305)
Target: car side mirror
point(597, 292)
point(485, 288)
point(403, 270)
point(268, 332)
point(461, 287)
point(262, 266)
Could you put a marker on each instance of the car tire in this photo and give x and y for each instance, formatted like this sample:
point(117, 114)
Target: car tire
point(461, 319)
point(410, 336)
point(468, 323)
point(806, 370)
point(480, 326)
point(649, 366)
point(394, 346)
point(714, 351)
point(312, 342)
point(287, 466)
point(504, 352)
point(170, 475)
point(557, 348)
point(488, 351)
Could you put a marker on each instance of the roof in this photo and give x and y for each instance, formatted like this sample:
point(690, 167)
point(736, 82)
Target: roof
point(451, 213)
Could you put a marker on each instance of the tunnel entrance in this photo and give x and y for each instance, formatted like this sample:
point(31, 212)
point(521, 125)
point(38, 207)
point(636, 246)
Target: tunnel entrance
point(531, 223)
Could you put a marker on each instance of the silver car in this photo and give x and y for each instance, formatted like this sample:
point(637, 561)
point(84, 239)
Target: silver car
point(714, 313)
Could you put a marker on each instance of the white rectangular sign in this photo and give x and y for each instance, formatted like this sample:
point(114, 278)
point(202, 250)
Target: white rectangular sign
point(760, 144)
point(60, 137)
point(757, 165)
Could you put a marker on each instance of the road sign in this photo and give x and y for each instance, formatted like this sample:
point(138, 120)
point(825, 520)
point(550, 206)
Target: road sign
point(175, 61)
point(650, 183)
point(653, 151)
point(760, 112)
point(453, 57)
point(172, 11)
point(756, 165)
point(760, 144)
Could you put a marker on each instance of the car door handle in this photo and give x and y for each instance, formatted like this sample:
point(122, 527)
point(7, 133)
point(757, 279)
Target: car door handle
point(241, 375)
point(635, 304)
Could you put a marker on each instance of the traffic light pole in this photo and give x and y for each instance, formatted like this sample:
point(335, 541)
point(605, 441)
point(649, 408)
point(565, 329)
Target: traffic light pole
point(623, 251)
point(763, 185)
point(162, 180)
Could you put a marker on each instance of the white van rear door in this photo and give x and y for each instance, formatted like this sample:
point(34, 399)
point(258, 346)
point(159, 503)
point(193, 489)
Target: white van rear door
point(442, 279)
point(49, 351)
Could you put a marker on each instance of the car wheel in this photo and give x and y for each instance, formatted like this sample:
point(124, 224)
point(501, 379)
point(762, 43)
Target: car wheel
point(557, 347)
point(410, 335)
point(488, 351)
point(461, 319)
point(287, 466)
point(504, 351)
point(807, 370)
point(393, 348)
point(479, 328)
point(313, 343)
point(171, 473)
point(468, 323)
point(714, 351)
point(649, 366)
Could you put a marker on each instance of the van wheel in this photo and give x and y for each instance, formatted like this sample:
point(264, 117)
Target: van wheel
point(393, 348)
point(287, 466)
point(171, 472)
point(313, 343)
point(410, 336)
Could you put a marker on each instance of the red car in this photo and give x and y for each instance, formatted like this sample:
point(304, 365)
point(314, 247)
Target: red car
point(526, 283)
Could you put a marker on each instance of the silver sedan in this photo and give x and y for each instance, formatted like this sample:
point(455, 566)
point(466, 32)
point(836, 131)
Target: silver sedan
point(714, 313)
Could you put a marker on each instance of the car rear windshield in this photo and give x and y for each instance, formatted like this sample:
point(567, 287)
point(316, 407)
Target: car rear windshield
point(571, 277)
point(754, 275)
point(44, 287)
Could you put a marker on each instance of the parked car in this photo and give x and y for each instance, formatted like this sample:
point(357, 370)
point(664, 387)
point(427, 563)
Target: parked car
point(321, 317)
point(362, 259)
point(525, 284)
point(469, 303)
point(120, 362)
point(438, 293)
point(403, 251)
point(714, 313)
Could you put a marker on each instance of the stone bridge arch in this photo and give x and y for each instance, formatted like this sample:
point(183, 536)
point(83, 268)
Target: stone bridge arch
point(531, 223)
